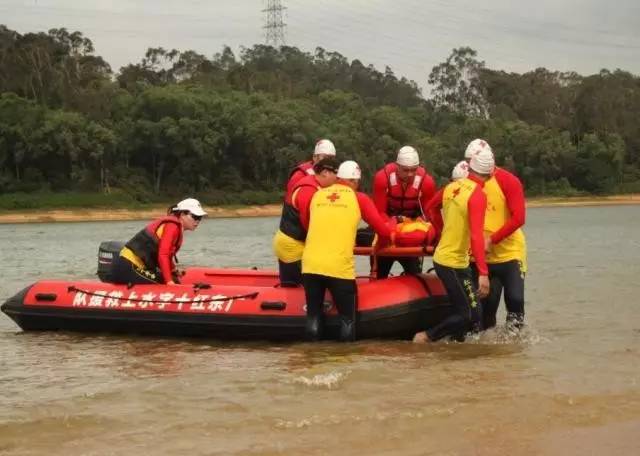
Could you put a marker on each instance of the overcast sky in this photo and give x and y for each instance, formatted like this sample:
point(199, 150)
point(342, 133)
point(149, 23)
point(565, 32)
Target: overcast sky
point(411, 36)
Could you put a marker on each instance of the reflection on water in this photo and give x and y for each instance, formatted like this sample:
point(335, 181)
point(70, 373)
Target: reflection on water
point(568, 384)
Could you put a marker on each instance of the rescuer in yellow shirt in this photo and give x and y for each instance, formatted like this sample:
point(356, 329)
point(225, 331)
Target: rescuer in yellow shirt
point(328, 261)
point(505, 243)
point(463, 206)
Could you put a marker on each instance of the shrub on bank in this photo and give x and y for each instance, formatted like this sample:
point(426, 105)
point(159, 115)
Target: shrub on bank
point(125, 200)
point(70, 200)
point(242, 198)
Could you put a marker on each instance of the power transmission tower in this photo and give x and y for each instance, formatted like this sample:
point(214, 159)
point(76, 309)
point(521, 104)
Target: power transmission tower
point(275, 26)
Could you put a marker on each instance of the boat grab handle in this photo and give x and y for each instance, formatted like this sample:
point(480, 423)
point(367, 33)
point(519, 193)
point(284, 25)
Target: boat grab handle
point(273, 305)
point(46, 296)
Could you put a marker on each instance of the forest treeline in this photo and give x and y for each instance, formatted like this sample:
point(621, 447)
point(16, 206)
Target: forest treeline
point(230, 128)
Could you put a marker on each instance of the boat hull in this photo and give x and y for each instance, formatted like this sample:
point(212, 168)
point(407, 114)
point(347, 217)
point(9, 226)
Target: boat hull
point(224, 304)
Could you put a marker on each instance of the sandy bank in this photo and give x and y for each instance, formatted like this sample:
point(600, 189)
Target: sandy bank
point(615, 200)
point(105, 214)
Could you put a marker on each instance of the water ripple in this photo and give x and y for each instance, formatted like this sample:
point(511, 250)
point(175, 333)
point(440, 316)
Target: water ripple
point(331, 380)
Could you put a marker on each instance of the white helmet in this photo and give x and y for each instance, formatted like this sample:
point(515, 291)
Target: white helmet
point(482, 161)
point(325, 147)
point(476, 146)
point(349, 170)
point(460, 171)
point(408, 156)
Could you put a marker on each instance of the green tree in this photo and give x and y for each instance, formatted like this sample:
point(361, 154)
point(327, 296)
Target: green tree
point(599, 163)
point(457, 83)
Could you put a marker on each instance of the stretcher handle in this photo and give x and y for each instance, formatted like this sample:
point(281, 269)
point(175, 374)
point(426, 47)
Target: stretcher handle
point(395, 251)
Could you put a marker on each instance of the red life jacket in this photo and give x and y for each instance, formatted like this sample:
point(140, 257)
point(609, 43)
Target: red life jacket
point(306, 168)
point(290, 223)
point(146, 242)
point(405, 201)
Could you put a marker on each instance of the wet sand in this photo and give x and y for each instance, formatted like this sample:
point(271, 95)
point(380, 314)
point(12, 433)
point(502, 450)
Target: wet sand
point(269, 210)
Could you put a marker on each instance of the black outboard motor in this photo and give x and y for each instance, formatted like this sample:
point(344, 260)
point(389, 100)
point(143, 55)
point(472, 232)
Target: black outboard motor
point(107, 253)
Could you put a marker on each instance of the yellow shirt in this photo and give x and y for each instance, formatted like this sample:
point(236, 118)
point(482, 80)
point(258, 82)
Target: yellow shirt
point(514, 246)
point(453, 248)
point(286, 248)
point(335, 214)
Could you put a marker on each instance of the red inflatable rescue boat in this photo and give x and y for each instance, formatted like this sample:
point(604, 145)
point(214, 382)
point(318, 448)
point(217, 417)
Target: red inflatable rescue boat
point(225, 304)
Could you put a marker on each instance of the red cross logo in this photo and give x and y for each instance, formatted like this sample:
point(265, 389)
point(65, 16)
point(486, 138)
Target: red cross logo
point(333, 197)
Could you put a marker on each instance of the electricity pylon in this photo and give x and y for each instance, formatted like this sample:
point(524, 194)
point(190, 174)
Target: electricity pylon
point(274, 24)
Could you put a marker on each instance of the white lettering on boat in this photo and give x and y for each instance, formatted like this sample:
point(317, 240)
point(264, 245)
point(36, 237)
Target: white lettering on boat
point(197, 303)
point(216, 306)
point(182, 299)
point(165, 297)
point(128, 304)
point(217, 303)
point(113, 300)
point(147, 300)
point(97, 298)
point(79, 299)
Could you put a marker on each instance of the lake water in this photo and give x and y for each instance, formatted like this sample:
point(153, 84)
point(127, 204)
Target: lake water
point(569, 384)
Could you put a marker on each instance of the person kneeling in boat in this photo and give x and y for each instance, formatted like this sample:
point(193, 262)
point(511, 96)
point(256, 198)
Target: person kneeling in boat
point(401, 190)
point(149, 257)
point(463, 205)
point(328, 260)
point(288, 242)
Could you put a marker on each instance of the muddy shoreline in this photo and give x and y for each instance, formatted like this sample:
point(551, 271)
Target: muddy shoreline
point(107, 214)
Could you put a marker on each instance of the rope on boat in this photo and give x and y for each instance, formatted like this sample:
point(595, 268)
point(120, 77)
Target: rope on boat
point(214, 299)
